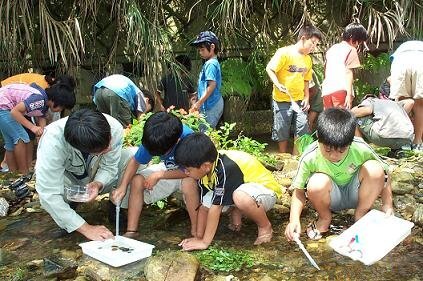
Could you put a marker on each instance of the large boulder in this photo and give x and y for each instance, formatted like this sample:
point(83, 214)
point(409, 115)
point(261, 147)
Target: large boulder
point(172, 266)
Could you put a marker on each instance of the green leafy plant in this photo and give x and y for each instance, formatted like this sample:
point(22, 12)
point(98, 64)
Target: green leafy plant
point(222, 140)
point(133, 134)
point(220, 259)
point(376, 63)
point(236, 79)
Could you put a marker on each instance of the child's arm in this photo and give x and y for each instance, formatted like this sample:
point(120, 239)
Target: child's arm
point(130, 171)
point(152, 179)
point(41, 121)
point(297, 205)
point(211, 227)
point(349, 98)
point(306, 101)
point(211, 85)
point(18, 114)
point(274, 78)
point(361, 111)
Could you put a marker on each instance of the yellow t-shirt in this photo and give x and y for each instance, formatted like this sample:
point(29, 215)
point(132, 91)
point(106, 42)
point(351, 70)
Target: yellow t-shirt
point(26, 78)
point(292, 69)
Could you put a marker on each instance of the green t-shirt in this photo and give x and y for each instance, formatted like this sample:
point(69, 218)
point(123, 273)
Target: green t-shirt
point(312, 161)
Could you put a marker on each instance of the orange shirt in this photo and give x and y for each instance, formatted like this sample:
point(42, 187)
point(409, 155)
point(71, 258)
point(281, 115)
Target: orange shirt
point(26, 78)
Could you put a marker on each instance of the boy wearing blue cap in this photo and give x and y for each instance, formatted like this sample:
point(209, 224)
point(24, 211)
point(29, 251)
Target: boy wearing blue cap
point(210, 101)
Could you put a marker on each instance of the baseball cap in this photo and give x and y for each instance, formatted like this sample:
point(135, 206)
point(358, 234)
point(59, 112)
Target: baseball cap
point(206, 36)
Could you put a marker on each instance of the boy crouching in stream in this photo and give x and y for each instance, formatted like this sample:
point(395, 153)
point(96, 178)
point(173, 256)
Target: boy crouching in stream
point(226, 179)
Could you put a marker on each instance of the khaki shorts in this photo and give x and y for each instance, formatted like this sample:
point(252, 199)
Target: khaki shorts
point(407, 77)
point(260, 194)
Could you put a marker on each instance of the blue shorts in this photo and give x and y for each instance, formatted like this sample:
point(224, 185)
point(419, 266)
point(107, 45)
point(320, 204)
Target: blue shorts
point(345, 197)
point(213, 114)
point(284, 117)
point(11, 130)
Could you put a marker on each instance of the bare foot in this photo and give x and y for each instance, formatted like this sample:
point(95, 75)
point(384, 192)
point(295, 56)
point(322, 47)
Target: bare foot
point(264, 235)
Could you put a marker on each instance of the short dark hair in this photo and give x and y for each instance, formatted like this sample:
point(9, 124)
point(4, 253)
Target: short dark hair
point(356, 32)
point(309, 31)
point(336, 127)
point(88, 131)
point(162, 131)
point(66, 80)
point(151, 99)
point(61, 95)
point(207, 45)
point(205, 151)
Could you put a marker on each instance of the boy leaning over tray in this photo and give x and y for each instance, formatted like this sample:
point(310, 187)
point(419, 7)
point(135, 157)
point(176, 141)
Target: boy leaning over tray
point(337, 172)
point(226, 179)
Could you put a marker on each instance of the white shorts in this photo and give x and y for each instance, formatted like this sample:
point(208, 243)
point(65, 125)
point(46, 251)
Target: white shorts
point(260, 194)
point(163, 188)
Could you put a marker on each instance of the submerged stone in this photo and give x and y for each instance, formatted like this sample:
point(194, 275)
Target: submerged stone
point(172, 266)
point(59, 268)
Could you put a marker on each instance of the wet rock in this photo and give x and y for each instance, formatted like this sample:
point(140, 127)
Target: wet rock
point(100, 273)
point(6, 257)
point(402, 188)
point(267, 278)
point(17, 212)
point(282, 180)
point(290, 168)
point(7, 194)
point(418, 215)
point(171, 266)
point(72, 255)
point(15, 244)
point(224, 278)
point(280, 209)
point(405, 205)
point(419, 196)
point(60, 268)
point(402, 174)
point(34, 264)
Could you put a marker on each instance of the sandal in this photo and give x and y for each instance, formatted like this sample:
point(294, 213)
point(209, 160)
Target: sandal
point(313, 233)
point(131, 234)
point(22, 191)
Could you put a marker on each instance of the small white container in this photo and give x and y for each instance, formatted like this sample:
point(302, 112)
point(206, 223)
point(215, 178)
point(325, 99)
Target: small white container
point(117, 252)
point(77, 193)
point(377, 235)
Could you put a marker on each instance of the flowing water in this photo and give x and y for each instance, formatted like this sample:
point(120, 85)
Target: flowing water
point(32, 236)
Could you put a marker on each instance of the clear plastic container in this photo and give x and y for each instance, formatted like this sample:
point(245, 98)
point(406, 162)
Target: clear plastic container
point(77, 193)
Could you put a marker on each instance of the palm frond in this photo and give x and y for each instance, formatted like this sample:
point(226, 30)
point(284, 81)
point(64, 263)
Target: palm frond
point(63, 39)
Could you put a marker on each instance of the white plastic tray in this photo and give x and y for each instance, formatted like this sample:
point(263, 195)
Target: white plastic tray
point(115, 252)
point(377, 235)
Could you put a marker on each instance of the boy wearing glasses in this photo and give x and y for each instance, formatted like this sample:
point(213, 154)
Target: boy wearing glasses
point(290, 70)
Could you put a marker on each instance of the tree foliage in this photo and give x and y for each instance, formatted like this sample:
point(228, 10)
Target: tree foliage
point(146, 33)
